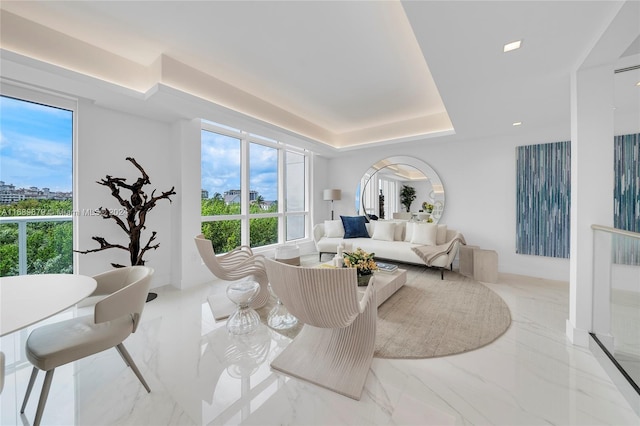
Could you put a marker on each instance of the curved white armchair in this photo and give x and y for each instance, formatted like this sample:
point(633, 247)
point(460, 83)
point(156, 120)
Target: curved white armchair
point(237, 264)
point(335, 347)
point(115, 318)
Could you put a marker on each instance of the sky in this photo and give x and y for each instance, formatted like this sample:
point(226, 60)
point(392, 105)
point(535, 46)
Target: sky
point(36, 145)
point(36, 150)
point(221, 166)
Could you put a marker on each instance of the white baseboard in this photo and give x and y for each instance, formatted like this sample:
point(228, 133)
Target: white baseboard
point(577, 336)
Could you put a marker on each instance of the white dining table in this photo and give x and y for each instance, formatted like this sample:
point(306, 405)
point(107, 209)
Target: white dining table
point(28, 299)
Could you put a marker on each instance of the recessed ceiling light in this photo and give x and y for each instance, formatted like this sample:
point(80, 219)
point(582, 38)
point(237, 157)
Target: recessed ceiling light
point(517, 123)
point(638, 83)
point(512, 46)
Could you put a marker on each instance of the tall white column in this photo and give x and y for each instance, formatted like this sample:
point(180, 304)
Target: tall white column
point(187, 266)
point(592, 177)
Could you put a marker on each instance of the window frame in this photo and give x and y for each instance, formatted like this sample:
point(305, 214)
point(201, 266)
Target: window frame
point(23, 92)
point(246, 139)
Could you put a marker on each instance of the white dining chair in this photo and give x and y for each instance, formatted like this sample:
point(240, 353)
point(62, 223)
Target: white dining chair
point(115, 317)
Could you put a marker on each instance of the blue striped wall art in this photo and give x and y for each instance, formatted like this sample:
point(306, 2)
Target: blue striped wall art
point(626, 197)
point(543, 185)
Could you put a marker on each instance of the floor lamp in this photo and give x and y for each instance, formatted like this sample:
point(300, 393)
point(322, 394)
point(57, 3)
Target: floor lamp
point(332, 195)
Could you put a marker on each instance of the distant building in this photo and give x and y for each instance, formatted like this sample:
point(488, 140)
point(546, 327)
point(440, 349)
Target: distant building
point(204, 194)
point(9, 194)
point(267, 205)
point(233, 196)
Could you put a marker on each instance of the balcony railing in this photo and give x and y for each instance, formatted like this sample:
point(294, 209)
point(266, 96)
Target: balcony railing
point(22, 222)
point(616, 307)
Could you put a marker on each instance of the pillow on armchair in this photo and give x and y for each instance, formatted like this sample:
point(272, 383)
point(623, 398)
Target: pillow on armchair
point(354, 227)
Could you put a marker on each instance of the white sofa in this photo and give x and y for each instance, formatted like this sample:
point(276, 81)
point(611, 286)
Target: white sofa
point(393, 245)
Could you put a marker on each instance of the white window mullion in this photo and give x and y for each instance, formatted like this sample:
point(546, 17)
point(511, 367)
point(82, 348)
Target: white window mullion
point(307, 195)
point(244, 190)
point(282, 178)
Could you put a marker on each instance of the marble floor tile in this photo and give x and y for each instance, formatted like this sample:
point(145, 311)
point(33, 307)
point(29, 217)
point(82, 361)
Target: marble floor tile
point(199, 375)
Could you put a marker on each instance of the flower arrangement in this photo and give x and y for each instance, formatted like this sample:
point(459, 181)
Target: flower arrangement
point(361, 260)
point(427, 207)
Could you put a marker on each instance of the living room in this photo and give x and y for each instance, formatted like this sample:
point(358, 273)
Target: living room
point(161, 127)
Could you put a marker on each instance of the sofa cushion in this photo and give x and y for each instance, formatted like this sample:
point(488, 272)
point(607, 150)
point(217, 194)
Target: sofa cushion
point(384, 231)
point(424, 233)
point(333, 229)
point(354, 227)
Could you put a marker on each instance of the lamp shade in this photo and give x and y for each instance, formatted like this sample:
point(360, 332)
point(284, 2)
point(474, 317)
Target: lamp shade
point(332, 194)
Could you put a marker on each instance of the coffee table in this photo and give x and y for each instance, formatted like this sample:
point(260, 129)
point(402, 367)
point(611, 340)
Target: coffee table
point(386, 283)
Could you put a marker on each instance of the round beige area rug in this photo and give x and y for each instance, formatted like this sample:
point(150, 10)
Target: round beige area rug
point(429, 317)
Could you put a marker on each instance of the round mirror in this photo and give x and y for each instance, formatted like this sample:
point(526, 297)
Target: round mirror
point(401, 187)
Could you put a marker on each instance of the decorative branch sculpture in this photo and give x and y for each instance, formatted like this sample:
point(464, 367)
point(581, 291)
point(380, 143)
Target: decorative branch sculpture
point(137, 207)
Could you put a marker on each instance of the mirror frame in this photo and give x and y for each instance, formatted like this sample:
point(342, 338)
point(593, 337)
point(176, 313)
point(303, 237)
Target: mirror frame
point(421, 166)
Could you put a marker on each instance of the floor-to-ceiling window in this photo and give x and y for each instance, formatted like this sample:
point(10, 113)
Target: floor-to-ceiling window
point(36, 169)
point(254, 189)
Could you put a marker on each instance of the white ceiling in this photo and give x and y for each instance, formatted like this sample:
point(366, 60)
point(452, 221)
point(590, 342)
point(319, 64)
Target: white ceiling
point(341, 73)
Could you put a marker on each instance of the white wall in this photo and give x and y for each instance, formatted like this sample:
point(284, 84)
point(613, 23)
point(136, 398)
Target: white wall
point(478, 177)
point(105, 139)
point(480, 190)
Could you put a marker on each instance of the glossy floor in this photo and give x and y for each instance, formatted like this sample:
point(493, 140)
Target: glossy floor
point(199, 375)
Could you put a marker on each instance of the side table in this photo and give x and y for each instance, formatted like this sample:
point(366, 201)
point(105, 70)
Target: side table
point(479, 264)
point(465, 259)
point(485, 265)
point(288, 254)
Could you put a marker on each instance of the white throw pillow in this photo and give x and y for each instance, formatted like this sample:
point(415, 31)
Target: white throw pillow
point(424, 233)
point(441, 235)
point(399, 234)
point(384, 231)
point(333, 229)
point(408, 233)
point(371, 226)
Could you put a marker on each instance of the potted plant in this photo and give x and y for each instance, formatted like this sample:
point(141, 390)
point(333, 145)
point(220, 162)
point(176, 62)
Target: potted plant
point(428, 208)
point(407, 195)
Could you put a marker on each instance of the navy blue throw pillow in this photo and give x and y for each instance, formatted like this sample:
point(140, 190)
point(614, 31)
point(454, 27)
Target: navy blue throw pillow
point(354, 227)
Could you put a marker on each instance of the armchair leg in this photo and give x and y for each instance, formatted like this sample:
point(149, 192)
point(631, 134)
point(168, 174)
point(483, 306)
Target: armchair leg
point(46, 385)
point(43, 396)
point(129, 361)
point(32, 380)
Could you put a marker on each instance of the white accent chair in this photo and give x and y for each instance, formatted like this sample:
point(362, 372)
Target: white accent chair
point(237, 264)
point(115, 317)
point(335, 347)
